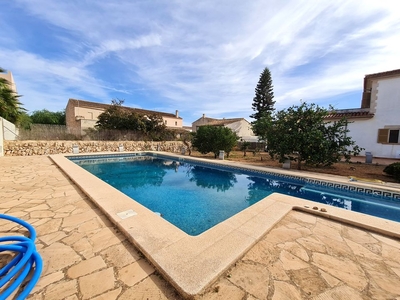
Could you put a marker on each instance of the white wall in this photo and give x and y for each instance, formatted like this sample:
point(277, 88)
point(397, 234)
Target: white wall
point(385, 104)
point(10, 132)
point(242, 128)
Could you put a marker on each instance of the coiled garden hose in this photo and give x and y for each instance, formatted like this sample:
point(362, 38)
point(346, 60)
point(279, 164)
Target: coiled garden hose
point(27, 260)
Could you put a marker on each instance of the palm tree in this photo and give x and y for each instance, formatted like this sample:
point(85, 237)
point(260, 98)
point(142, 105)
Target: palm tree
point(10, 107)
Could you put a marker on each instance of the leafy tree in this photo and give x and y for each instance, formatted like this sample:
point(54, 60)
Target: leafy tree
point(263, 100)
point(10, 107)
point(214, 138)
point(300, 133)
point(121, 118)
point(48, 117)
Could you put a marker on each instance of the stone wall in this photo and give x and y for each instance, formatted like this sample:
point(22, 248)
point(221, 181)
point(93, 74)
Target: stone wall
point(27, 148)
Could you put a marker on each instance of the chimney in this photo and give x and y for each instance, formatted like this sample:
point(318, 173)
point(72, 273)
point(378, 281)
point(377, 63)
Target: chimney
point(204, 115)
point(177, 113)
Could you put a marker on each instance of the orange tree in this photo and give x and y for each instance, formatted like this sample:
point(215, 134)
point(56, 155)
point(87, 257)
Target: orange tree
point(301, 133)
point(213, 139)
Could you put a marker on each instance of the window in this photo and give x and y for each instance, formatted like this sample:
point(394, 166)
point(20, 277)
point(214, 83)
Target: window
point(165, 122)
point(393, 136)
point(388, 136)
point(176, 123)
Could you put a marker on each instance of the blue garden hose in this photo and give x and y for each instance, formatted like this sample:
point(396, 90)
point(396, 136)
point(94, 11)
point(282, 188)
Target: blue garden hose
point(27, 260)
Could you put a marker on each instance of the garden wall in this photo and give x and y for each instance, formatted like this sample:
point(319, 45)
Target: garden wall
point(27, 148)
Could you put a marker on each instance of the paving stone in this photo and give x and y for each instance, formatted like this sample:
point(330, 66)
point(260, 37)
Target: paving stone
point(340, 292)
point(358, 236)
point(61, 290)
point(105, 238)
point(386, 240)
point(86, 267)
point(38, 207)
point(151, 288)
point(361, 251)
point(309, 281)
point(109, 295)
point(291, 262)
point(389, 283)
point(324, 230)
point(47, 280)
point(58, 256)
point(121, 255)
point(136, 272)
point(261, 254)
point(251, 278)
point(297, 251)
point(52, 237)
point(52, 225)
point(277, 271)
point(311, 243)
point(283, 234)
point(84, 248)
point(330, 280)
point(223, 290)
point(78, 219)
point(343, 269)
point(97, 283)
point(284, 291)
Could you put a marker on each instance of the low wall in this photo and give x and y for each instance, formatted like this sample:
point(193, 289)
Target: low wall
point(27, 148)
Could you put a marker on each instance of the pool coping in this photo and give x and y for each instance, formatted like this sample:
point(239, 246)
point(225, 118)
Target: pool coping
point(192, 263)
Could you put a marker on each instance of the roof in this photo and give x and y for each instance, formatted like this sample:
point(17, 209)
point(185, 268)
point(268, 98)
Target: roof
point(366, 96)
point(383, 74)
point(88, 104)
point(358, 113)
point(223, 122)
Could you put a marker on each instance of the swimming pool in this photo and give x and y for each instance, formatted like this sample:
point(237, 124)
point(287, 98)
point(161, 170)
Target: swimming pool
point(196, 196)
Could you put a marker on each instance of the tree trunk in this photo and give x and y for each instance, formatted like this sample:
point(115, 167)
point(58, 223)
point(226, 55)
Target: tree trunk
point(299, 162)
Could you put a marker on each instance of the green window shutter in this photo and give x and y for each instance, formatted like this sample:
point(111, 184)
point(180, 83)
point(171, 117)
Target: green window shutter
point(383, 136)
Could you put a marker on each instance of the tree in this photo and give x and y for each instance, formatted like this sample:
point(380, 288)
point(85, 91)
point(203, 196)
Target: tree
point(10, 107)
point(263, 100)
point(300, 133)
point(48, 117)
point(214, 138)
point(122, 118)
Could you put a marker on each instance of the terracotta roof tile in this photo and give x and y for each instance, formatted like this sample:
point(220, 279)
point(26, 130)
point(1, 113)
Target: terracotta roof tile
point(84, 103)
point(350, 114)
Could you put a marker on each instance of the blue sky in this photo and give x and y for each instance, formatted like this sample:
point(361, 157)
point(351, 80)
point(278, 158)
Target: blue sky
point(196, 56)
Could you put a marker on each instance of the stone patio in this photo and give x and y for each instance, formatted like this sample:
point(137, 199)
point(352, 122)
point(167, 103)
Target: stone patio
point(86, 257)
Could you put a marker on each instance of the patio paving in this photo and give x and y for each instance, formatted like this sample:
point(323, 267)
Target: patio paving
point(86, 257)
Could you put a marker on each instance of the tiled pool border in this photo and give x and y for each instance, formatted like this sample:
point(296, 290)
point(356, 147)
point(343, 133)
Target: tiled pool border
point(190, 263)
point(324, 183)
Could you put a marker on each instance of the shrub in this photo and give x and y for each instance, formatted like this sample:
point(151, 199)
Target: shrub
point(393, 170)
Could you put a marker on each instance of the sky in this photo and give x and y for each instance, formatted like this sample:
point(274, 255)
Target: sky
point(198, 57)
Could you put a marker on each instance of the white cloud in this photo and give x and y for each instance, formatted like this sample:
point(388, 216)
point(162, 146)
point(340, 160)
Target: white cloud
point(205, 56)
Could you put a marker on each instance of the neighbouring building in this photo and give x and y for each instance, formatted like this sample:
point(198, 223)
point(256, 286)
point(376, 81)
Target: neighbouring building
point(81, 115)
point(8, 76)
point(8, 131)
point(376, 125)
point(239, 125)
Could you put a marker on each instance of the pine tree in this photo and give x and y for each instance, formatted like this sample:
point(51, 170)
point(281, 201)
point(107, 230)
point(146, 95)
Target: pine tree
point(263, 101)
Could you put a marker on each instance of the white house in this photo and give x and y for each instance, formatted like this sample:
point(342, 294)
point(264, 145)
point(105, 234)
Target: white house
point(376, 125)
point(239, 125)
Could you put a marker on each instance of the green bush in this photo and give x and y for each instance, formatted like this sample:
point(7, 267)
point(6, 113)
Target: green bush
point(393, 170)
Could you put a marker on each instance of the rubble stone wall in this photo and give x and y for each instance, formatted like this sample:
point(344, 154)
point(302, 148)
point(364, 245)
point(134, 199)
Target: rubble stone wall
point(28, 148)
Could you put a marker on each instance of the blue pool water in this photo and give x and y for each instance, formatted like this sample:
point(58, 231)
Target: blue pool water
point(196, 197)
